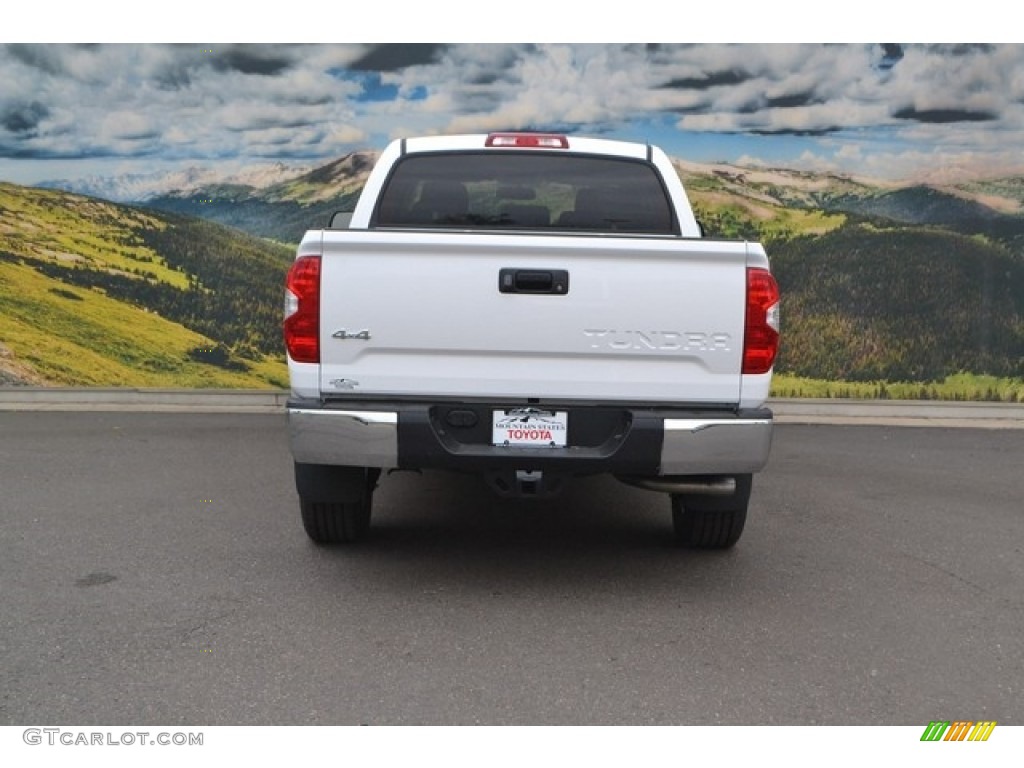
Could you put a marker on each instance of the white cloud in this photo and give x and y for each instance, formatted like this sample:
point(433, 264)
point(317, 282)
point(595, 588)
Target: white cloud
point(343, 135)
point(215, 102)
point(127, 125)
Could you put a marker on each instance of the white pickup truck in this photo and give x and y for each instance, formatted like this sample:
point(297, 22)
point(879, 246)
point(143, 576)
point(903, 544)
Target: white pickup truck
point(531, 308)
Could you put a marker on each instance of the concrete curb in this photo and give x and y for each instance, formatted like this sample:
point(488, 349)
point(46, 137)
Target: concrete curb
point(901, 413)
point(138, 399)
point(787, 411)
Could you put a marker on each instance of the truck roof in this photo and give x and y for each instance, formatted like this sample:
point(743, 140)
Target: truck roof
point(477, 141)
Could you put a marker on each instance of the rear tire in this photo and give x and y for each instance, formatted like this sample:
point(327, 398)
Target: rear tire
point(711, 522)
point(337, 523)
point(336, 502)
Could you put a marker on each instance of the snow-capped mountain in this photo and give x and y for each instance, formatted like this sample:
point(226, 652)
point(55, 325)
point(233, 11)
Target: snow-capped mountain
point(141, 187)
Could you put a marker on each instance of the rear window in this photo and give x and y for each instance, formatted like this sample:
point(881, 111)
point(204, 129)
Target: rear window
point(520, 190)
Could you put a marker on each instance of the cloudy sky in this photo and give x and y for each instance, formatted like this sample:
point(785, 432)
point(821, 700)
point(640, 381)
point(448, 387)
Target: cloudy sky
point(882, 110)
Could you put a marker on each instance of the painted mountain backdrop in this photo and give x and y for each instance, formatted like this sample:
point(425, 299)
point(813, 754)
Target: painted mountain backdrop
point(101, 294)
point(881, 282)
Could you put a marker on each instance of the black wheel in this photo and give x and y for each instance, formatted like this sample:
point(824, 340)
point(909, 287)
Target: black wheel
point(337, 523)
point(336, 502)
point(711, 522)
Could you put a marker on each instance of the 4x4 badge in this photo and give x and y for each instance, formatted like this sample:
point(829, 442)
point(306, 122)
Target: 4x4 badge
point(344, 335)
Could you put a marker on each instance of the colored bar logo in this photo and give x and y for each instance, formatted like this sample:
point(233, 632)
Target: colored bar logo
point(958, 730)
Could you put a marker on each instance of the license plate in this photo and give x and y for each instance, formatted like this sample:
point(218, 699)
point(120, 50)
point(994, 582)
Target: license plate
point(531, 426)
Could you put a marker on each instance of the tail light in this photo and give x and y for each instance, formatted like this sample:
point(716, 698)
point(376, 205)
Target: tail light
point(761, 335)
point(302, 310)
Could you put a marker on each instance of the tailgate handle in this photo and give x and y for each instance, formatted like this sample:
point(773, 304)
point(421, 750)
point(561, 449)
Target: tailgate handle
point(552, 281)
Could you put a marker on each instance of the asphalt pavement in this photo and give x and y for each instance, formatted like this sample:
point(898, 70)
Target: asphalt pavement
point(154, 571)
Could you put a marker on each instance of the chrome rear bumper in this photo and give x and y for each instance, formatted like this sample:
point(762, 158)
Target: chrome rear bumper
point(725, 444)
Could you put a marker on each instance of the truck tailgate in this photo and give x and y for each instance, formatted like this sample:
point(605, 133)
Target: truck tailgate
point(648, 319)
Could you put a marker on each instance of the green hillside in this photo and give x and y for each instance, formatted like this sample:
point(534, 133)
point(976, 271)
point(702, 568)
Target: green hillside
point(99, 294)
point(916, 286)
point(764, 206)
point(899, 304)
point(282, 220)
